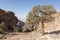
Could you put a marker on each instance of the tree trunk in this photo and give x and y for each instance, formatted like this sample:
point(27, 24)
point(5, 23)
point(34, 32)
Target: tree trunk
point(42, 27)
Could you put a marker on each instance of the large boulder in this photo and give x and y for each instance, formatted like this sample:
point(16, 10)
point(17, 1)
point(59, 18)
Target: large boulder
point(8, 17)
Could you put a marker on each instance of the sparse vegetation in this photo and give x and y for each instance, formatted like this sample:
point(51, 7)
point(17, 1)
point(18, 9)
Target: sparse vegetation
point(10, 23)
point(1, 36)
point(40, 14)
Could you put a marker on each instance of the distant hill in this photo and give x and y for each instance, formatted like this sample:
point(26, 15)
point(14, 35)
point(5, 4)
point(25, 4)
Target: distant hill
point(20, 23)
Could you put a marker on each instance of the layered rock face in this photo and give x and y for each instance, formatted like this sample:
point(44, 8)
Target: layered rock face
point(54, 25)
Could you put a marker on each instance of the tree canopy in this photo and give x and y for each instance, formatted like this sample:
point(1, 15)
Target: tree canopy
point(40, 14)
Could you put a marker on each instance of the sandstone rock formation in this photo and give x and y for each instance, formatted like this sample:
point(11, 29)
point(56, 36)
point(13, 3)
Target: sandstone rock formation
point(8, 17)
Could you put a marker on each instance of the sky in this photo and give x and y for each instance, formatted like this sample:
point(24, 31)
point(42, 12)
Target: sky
point(21, 8)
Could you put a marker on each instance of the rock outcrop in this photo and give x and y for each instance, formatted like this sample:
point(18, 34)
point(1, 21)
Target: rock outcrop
point(8, 17)
point(52, 30)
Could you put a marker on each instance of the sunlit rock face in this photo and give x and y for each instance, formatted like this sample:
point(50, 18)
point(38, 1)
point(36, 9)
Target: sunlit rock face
point(54, 25)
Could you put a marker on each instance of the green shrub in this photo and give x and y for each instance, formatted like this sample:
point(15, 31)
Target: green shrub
point(1, 36)
point(3, 26)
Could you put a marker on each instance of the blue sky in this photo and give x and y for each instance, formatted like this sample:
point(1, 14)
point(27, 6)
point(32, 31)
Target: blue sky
point(22, 7)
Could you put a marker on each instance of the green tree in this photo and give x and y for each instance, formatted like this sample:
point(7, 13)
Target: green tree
point(46, 11)
point(32, 17)
point(40, 14)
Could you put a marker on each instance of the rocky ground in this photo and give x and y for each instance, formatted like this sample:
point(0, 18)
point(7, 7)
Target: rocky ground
point(34, 36)
point(52, 30)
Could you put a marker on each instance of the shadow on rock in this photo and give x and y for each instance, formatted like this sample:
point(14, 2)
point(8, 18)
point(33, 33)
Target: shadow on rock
point(53, 32)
